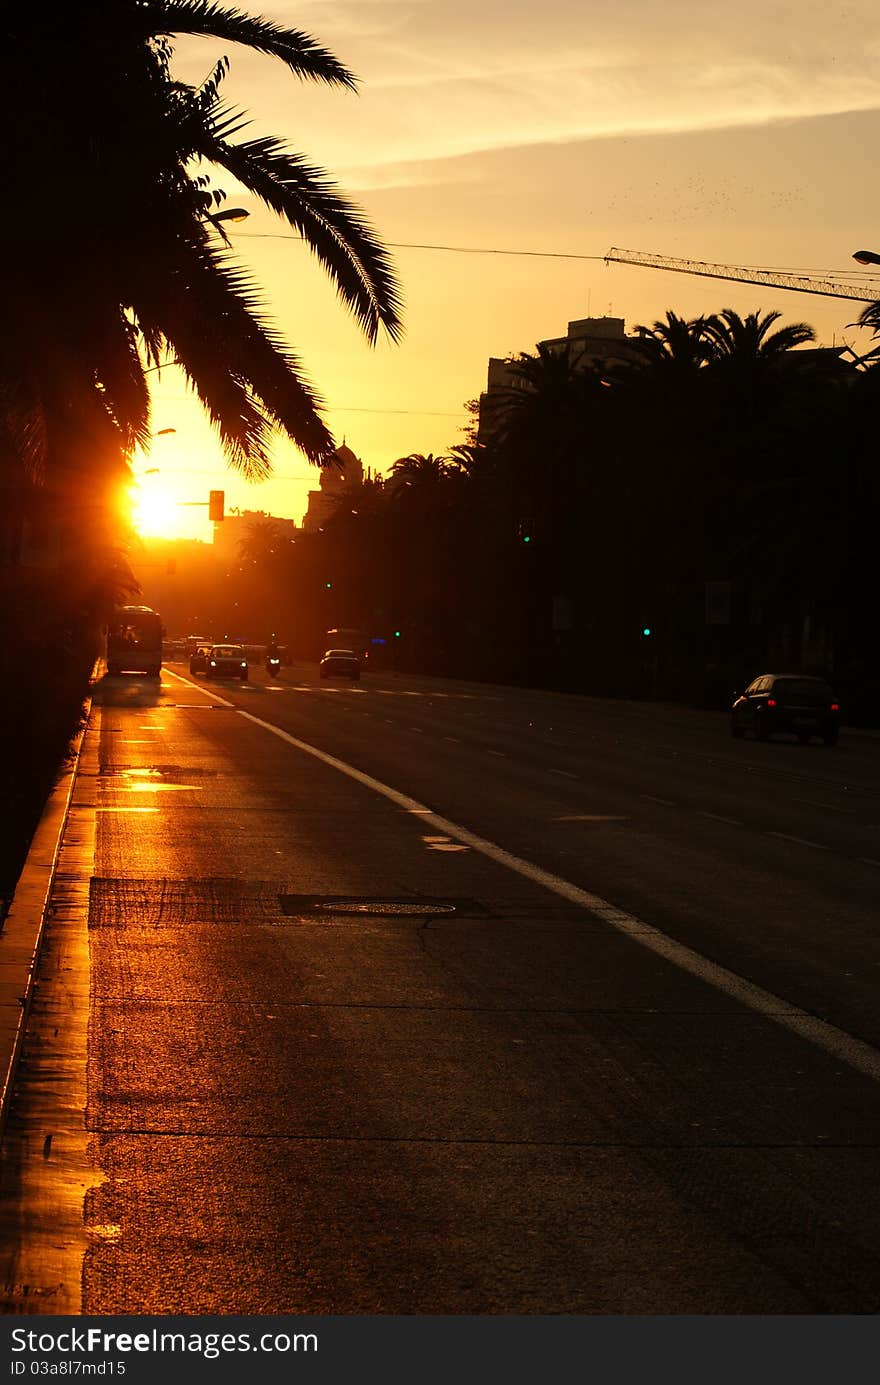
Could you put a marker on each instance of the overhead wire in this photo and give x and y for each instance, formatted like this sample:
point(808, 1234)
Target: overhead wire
point(559, 255)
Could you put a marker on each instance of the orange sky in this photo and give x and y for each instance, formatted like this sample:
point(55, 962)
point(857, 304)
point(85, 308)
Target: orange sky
point(742, 135)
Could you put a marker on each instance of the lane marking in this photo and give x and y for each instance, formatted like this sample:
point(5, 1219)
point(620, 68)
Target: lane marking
point(836, 1042)
point(452, 738)
point(566, 773)
point(718, 817)
point(500, 753)
point(214, 696)
point(868, 861)
point(801, 841)
point(667, 802)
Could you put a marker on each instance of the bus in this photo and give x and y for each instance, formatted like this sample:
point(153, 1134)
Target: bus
point(134, 641)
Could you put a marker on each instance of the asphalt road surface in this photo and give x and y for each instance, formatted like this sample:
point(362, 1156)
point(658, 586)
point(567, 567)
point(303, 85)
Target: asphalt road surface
point(416, 996)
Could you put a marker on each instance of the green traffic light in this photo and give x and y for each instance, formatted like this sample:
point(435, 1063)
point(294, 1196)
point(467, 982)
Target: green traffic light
point(397, 634)
point(647, 630)
point(328, 585)
point(527, 538)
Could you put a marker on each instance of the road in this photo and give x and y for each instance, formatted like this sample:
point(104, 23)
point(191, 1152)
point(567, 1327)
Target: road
point(421, 996)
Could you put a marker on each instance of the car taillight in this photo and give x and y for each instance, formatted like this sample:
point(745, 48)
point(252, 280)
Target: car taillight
point(835, 707)
point(771, 701)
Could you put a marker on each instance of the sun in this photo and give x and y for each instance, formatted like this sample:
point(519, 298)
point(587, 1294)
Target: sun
point(154, 512)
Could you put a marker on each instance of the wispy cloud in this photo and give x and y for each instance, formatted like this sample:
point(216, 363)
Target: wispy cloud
point(453, 77)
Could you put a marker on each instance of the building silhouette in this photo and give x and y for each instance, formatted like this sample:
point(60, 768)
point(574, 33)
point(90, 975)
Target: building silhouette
point(337, 479)
point(589, 340)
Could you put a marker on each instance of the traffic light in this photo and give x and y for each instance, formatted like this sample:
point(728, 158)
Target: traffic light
point(397, 634)
point(328, 585)
point(647, 632)
point(215, 505)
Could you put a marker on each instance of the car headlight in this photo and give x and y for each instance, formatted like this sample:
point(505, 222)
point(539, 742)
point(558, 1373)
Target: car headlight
point(244, 663)
point(213, 663)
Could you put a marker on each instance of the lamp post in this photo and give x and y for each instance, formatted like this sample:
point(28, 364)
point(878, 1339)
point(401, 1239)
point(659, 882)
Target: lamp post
point(866, 257)
point(154, 470)
point(231, 214)
point(216, 219)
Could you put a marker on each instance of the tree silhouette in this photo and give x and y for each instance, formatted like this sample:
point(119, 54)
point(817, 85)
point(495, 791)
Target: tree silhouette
point(675, 346)
point(145, 271)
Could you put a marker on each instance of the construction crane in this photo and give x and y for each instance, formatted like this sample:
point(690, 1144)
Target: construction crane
point(795, 283)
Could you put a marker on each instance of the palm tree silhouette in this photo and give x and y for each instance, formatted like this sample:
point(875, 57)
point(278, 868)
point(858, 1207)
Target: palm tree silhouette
point(750, 337)
point(421, 472)
point(145, 271)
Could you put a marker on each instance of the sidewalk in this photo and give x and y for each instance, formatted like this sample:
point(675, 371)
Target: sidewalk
point(21, 935)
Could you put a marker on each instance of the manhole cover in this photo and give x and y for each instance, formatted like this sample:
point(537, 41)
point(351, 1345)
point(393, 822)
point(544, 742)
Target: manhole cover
point(385, 907)
point(396, 907)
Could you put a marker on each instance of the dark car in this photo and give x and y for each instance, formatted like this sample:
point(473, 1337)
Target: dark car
point(340, 663)
point(227, 661)
point(787, 702)
point(198, 660)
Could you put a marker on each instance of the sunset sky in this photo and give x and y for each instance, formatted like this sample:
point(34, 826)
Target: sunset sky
point(742, 134)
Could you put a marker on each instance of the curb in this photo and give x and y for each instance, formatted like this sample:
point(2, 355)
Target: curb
point(21, 935)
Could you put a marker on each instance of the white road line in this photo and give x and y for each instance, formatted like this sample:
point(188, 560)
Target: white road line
point(566, 773)
point(452, 738)
point(214, 697)
point(868, 861)
point(801, 841)
point(667, 802)
point(418, 730)
point(840, 1045)
point(500, 753)
point(717, 817)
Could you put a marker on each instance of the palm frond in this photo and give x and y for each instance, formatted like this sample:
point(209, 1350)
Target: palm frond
point(210, 315)
point(244, 430)
point(120, 378)
point(297, 50)
point(333, 228)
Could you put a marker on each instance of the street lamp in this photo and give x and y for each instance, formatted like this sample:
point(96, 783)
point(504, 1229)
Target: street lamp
point(866, 257)
point(231, 214)
point(216, 219)
point(154, 470)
